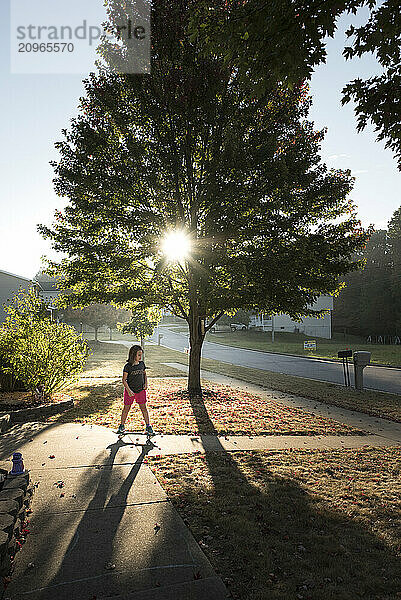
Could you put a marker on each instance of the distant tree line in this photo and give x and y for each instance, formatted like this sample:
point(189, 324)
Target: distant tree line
point(370, 304)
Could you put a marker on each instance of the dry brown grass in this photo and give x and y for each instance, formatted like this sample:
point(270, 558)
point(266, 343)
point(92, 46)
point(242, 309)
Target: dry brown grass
point(302, 524)
point(108, 361)
point(222, 410)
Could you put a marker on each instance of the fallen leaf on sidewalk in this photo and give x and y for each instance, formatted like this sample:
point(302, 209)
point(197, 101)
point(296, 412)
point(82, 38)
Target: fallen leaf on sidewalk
point(156, 528)
point(110, 566)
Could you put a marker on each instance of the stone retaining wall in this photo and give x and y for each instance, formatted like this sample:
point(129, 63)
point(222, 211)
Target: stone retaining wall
point(15, 498)
point(44, 410)
point(34, 413)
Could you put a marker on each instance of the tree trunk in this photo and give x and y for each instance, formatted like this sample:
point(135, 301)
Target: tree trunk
point(111, 333)
point(96, 328)
point(195, 341)
point(143, 345)
point(194, 383)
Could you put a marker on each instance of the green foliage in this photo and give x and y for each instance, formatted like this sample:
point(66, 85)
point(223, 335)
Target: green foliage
point(142, 322)
point(371, 301)
point(95, 315)
point(285, 40)
point(24, 312)
point(191, 147)
point(43, 355)
point(8, 381)
point(25, 309)
point(51, 356)
point(394, 241)
point(240, 316)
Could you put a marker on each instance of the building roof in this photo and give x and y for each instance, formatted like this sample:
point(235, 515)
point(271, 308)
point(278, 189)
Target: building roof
point(17, 276)
point(48, 286)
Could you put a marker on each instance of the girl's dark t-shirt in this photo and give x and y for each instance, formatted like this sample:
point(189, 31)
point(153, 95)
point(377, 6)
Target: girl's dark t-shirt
point(136, 376)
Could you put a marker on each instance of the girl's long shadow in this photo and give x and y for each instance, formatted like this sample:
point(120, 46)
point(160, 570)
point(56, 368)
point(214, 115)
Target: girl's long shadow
point(285, 518)
point(93, 541)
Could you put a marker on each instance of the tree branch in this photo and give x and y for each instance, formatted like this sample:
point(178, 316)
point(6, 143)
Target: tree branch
point(183, 313)
point(214, 321)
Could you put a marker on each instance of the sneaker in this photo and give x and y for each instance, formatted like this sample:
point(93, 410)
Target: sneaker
point(121, 429)
point(149, 430)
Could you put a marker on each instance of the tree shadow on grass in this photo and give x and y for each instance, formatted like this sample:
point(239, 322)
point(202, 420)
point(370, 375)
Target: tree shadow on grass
point(90, 399)
point(275, 541)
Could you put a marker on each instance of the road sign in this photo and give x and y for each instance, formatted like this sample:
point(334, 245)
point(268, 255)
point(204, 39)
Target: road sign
point(310, 345)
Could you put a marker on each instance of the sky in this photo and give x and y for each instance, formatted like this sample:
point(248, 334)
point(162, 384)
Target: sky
point(34, 109)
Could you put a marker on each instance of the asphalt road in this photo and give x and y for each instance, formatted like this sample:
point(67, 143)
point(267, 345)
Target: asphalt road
point(385, 379)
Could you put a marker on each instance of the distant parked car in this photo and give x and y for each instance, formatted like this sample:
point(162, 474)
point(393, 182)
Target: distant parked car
point(218, 328)
point(238, 327)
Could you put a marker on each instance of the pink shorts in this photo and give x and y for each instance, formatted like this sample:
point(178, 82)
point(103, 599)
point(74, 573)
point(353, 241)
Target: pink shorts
point(139, 397)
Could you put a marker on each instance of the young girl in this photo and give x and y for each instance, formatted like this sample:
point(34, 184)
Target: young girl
point(135, 385)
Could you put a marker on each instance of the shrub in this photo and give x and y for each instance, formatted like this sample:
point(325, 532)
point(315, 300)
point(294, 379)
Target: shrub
point(41, 354)
point(8, 382)
point(49, 357)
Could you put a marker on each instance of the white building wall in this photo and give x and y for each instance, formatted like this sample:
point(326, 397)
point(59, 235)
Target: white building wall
point(48, 296)
point(310, 326)
point(10, 284)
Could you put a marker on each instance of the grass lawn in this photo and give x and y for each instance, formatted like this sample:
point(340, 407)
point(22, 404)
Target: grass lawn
point(293, 343)
point(276, 525)
point(105, 337)
point(222, 411)
point(374, 403)
point(108, 360)
point(304, 524)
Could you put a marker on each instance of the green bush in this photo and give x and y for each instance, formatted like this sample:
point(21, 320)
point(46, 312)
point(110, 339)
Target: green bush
point(49, 357)
point(41, 354)
point(8, 382)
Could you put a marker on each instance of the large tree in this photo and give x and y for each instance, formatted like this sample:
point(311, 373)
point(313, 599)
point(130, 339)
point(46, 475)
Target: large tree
point(190, 148)
point(394, 242)
point(285, 40)
point(95, 315)
point(370, 303)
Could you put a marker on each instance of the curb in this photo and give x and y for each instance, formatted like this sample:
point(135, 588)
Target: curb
point(31, 414)
point(5, 423)
point(44, 410)
point(15, 498)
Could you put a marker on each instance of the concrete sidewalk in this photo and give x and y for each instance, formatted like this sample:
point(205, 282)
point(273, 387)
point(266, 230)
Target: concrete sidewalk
point(102, 526)
point(183, 444)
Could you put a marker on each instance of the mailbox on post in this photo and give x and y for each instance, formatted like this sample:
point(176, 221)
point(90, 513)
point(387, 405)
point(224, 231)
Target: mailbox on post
point(361, 359)
point(345, 355)
point(160, 337)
